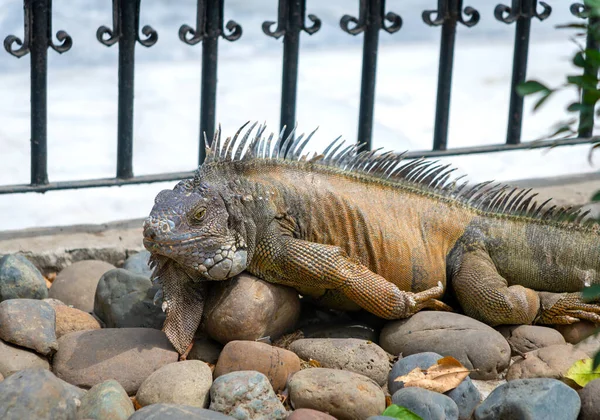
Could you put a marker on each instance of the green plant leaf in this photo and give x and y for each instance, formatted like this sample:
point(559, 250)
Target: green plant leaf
point(579, 59)
point(591, 292)
point(585, 81)
point(399, 412)
point(596, 361)
point(596, 196)
point(543, 99)
point(592, 57)
point(531, 86)
point(582, 372)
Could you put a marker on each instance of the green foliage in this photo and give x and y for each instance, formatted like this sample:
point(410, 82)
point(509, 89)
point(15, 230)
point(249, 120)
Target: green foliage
point(583, 371)
point(401, 413)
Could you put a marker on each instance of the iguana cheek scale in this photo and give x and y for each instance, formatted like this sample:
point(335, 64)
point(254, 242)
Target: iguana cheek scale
point(366, 230)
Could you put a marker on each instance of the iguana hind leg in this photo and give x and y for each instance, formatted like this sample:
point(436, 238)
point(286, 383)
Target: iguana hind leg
point(300, 263)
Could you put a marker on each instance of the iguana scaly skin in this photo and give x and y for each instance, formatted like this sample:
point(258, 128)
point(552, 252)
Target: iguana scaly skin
point(359, 229)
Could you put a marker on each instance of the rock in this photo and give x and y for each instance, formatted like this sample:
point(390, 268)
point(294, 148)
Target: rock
point(475, 344)
point(53, 302)
point(574, 333)
point(347, 330)
point(20, 279)
point(275, 363)
point(343, 394)
point(538, 398)
point(76, 284)
point(525, 338)
point(35, 394)
point(187, 382)
point(205, 349)
point(138, 264)
point(106, 400)
point(28, 323)
point(128, 355)
point(176, 412)
point(427, 404)
point(466, 396)
point(309, 414)
point(246, 395)
point(72, 319)
point(485, 388)
point(14, 359)
point(351, 354)
point(247, 308)
point(590, 401)
point(547, 362)
point(126, 300)
point(589, 345)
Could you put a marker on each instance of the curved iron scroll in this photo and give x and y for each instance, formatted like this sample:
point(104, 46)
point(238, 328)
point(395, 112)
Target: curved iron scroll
point(360, 24)
point(285, 21)
point(521, 9)
point(451, 10)
point(204, 12)
point(66, 42)
point(580, 10)
point(151, 36)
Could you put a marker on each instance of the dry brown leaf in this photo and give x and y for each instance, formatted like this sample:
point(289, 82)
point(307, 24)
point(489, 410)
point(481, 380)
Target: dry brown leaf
point(136, 404)
point(445, 375)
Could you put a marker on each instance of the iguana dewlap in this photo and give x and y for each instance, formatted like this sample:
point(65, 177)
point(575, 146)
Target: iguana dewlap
point(359, 229)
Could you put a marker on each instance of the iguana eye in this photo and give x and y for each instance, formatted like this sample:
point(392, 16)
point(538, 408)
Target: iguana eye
point(199, 214)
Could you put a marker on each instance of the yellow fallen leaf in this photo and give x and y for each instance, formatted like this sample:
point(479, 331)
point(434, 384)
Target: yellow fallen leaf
point(445, 375)
point(581, 372)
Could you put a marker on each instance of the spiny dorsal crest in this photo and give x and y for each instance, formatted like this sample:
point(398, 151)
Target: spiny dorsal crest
point(424, 175)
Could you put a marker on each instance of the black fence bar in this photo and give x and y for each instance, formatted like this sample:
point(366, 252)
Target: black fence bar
point(176, 176)
point(290, 22)
point(126, 23)
point(371, 18)
point(209, 26)
point(521, 11)
point(449, 12)
point(37, 38)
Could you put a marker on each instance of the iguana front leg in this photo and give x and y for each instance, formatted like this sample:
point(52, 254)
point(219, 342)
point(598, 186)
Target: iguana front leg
point(305, 264)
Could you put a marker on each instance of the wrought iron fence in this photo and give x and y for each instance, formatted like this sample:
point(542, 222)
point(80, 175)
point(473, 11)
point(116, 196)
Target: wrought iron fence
point(291, 22)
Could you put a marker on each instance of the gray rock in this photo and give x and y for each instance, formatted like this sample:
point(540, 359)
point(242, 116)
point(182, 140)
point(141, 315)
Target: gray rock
point(176, 412)
point(343, 394)
point(548, 362)
point(29, 323)
point(14, 359)
point(352, 354)
point(53, 302)
point(476, 345)
point(590, 401)
point(427, 404)
point(589, 345)
point(205, 349)
point(35, 394)
point(466, 395)
point(538, 398)
point(187, 382)
point(138, 264)
point(347, 330)
point(76, 284)
point(107, 400)
point(247, 308)
point(246, 395)
point(20, 279)
point(525, 338)
point(309, 414)
point(128, 355)
point(485, 388)
point(125, 300)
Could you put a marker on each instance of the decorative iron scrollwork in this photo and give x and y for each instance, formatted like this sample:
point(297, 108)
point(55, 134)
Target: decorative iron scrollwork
point(151, 36)
point(192, 36)
point(521, 9)
point(66, 42)
point(579, 10)
point(360, 24)
point(284, 22)
point(451, 10)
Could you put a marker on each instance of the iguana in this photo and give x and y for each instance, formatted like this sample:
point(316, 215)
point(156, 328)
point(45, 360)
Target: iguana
point(361, 229)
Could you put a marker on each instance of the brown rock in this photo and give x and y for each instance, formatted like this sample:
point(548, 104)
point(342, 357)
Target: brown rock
point(345, 395)
point(309, 414)
point(76, 284)
point(247, 308)
point(574, 333)
point(128, 355)
point(590, 401)
point(205, 349)
point(526, 338)
point(548, 362)
point(14, 359)
point(72, 319)
point(275, 363)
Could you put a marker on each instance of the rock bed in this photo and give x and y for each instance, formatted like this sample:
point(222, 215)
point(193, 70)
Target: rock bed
point(86, 344)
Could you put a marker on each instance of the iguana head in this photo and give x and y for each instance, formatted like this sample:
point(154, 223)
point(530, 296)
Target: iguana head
point(193, 226)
